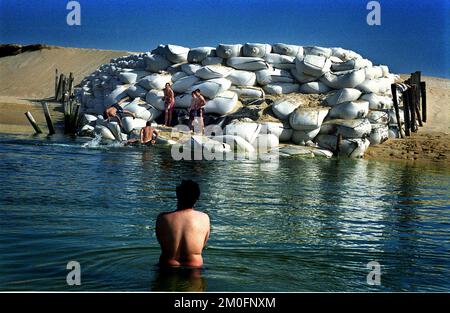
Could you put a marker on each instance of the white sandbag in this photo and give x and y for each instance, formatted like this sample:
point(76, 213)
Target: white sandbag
point(156, 63)
point(176, 54)
point(190, 69)
point(116, 95)
point(155, 98)
point(377, 102)
point(129, 123)
point(313, 65)
point(281, 88)
point(316, 87)
point(301, 137)
point(140, 111)
point(228, 51)
point(373, 72)
point(178, 75)
point(282, 131)
point(342, 95)
point(319, 51)
point(89, 118)
point(212, 61)
point(136, 91)
point(155, 81)
point(349, 79)
point(224, 103)
point(378, 117)
point(265, 142)
point(307, 118)
point(183, 101)
point(283, 108)
point(353, 128)
point(236, 143)
point(197, 55)
point(289, 50)
point(104, 132)
point(393, 117)
point(202, 143)
point(351, 65)
point(115, 130)
point(280, 61)
point(213, 71)
point(242, 78)
point(176, 68)
point(184, 84)
point(302, 77)
point(350, 110)
point(248, 131)
point(378, 86)
point(247, 63)
point(385, 70)
point(393, 133)
point(211, 88)
point(248, 92)
point(269, 76)
point(128, 77)
point(257, 50)
point(352, 148)
point(344, 54)
point(378, 134)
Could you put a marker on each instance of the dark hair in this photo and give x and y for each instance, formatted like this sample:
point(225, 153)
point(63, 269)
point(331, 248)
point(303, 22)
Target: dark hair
point(198, 90)
point(188, 193)
point(167, 84)
point(148, 123)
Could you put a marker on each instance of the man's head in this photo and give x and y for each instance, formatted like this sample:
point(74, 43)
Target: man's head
point(194, 94)
point(198, 92)
point(188, 193)
point(167, 85)
point(148, 123)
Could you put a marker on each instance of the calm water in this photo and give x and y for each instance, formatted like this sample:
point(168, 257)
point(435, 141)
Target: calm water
point(310, 225)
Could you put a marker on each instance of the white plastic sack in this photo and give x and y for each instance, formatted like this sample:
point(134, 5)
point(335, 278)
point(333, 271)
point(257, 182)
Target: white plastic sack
point(136, 91)
point(265, 142)
point(351, 65)
point(349, 79)
point(184, 84)
point(155, 99)
point(104, 132)
point(379, 134)
point(307, 118)
point(155, 81)
point(128, 78)
point(281, 88)
point(257, 50)
point(316, 87)
point(378, 117)
point(212, 61)
point(313, 65)
point(228, 51)
point(197, 55)
point(183, 101)
point(247, 63)
point(269, 76)
point(236, 143)
point(344, 54)
point(301, 137)
point(222, 104)
point(190, 69)
point(319, 51)
point(353, 128)
point(282, 131)
point(211, 88)
point(176, 54)
point(129, 123)
point(302, 77)
point(283, 108)
point(280, 61)
point(247, 131)
point(178, 75)
point(377, 102)
point(156, 63)
point(213, 71)
point(342, 95)
point(116, 95)
point(248, 92)
point(289, 50)
point(350, 110)
point(242, 78)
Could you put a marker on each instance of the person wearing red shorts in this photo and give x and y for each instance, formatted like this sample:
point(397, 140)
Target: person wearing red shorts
point(169, 101)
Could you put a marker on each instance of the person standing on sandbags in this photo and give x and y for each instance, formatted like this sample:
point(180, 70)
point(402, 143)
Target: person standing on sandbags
point(169, 101)
point(197, 110)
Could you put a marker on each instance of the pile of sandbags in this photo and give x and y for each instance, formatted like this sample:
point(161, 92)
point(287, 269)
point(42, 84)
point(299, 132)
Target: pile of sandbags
point(354, 88)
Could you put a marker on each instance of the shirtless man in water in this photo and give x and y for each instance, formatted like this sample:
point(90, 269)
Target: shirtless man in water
point(145, 135)
point(182, 234)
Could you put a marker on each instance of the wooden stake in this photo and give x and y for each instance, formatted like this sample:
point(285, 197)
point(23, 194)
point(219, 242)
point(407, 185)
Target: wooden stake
point(56, 84)
point(48, 119)
point(423, 93)
point(406, 113)
point(33, 122)
point(338, 144)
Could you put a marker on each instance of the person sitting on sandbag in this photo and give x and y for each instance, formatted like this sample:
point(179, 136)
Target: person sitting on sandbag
point(147, 135)
point(169, 103)
point(116, 111)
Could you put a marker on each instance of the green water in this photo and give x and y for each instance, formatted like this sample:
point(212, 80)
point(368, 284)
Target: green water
point(306, 225)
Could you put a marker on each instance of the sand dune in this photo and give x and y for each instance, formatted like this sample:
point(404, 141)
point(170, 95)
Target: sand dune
point(31, 75)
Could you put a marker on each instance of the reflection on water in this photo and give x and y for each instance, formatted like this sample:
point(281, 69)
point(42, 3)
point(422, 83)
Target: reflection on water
point(305, 225)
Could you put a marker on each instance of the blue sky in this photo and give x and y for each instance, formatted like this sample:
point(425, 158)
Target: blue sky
point(414, 35)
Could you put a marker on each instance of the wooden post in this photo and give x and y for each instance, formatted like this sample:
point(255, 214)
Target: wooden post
point(406, 113)
point(60, 88)
point(33, 122)
point(56, 84)
point(70, 84)
point(415, 83)
point(74, 118)
point(423, 93)
point(397, 111)
point(48, 119)
point(412, 110)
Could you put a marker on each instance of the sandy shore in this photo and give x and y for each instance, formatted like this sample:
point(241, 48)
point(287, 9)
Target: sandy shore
point(27, 78)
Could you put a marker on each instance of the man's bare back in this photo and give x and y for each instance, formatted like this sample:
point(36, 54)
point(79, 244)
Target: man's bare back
point(182, 234)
